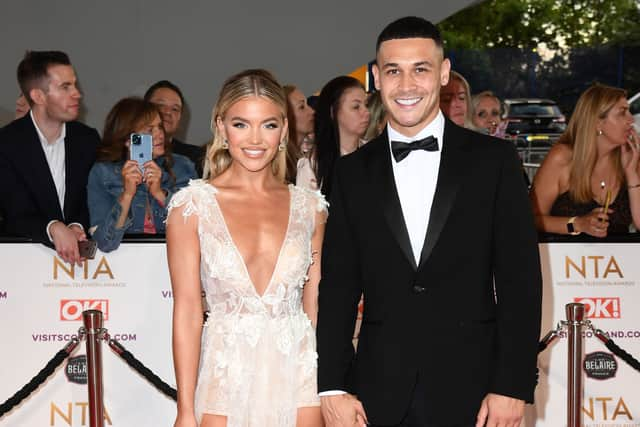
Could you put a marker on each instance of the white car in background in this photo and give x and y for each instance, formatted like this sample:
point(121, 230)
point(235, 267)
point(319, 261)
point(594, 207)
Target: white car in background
point(634, 108)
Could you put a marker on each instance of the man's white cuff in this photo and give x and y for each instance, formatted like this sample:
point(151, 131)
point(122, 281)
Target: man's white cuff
point(331, 393)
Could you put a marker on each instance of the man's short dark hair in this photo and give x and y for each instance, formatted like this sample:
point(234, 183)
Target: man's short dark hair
point(166, 84)
point(409, 27)
point(34, 67)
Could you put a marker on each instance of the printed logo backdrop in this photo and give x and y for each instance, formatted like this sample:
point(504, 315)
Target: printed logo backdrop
point(606, 279)
point(41, 298)
point(41, 304)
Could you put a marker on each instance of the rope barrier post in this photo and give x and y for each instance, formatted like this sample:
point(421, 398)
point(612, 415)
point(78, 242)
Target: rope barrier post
point(575, 320)
point(93, 329)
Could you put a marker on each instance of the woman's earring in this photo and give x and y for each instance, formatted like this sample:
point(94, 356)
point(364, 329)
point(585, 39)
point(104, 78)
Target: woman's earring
point(599, 132)
point(225, 145)
point(282, 146)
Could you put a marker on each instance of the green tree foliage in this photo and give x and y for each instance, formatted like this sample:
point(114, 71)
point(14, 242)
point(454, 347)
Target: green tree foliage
point(559, 24)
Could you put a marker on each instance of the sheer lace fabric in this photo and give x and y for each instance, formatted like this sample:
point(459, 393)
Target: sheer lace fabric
point(258, 360)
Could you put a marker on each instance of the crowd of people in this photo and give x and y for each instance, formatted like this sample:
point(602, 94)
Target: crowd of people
point(418, 157)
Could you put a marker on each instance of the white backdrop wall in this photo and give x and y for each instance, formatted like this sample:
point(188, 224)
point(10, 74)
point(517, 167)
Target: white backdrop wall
point(121, 47)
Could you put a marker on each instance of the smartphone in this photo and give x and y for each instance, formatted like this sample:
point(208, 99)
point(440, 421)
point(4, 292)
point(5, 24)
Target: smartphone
point(140, 148)
point(87, 248)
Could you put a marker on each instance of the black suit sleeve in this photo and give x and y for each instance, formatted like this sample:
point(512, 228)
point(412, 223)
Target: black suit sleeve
point(340, 290)
point(20, 216)
point(518, 284)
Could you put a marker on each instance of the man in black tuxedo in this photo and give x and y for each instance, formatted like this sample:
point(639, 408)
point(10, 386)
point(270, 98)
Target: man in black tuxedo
point(45, 158)
point(431, 222)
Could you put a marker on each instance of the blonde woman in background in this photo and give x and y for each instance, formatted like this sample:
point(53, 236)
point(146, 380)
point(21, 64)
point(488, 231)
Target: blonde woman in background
point(594, 163)
point(486, 114)
point(455, 100)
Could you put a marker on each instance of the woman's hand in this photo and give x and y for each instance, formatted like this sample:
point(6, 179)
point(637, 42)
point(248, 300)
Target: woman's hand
point(153, 179)
point(131, 177)
point(595, 223)
point(630, 155)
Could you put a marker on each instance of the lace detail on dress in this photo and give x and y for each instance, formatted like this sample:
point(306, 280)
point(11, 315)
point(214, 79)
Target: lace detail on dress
point(254, 347)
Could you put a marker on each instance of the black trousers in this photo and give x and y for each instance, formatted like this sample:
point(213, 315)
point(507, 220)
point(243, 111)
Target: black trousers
point(417, 414)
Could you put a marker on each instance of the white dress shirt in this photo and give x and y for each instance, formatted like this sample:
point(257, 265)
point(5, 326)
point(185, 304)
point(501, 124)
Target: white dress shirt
point(54, 152)
point(416, 177)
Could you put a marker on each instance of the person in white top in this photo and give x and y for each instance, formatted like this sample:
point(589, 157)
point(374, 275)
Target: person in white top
point(430, 222)
point(45, 158)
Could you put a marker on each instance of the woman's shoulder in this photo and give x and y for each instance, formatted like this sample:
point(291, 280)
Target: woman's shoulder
point(196, 194)
point(559, 155)
point(313, 197)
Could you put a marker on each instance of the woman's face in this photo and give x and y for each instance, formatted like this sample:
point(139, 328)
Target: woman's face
point(22, 106)
point(453, 101)
point(155, 129)
point(253, 128)
point(617, 126)
point(353, 115)
point(302, 112)
point(487, 114)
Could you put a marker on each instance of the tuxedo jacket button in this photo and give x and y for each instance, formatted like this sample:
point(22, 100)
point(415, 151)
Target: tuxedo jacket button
point(418, 289)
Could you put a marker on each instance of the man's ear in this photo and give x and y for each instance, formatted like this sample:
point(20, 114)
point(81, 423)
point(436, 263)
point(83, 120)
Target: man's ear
point(376, 75)
point(445, 72)
point(37, 95)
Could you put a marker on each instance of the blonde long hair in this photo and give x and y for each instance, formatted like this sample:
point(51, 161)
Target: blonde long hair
point(248, 83)
point(581, 135)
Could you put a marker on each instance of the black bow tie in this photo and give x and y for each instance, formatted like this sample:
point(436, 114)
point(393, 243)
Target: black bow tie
point(402, 149)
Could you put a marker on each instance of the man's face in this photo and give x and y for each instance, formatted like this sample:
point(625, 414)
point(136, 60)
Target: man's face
point(61, 100)
point(408, 73)
point(170, 106)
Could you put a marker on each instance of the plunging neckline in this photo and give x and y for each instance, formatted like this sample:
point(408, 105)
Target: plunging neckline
point(239, 254)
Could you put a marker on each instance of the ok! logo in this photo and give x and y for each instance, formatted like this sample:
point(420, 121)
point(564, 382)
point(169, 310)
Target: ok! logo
point(71, 309)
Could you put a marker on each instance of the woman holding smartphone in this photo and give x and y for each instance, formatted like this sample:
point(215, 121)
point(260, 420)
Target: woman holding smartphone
point(252, 243)
point(125, 197)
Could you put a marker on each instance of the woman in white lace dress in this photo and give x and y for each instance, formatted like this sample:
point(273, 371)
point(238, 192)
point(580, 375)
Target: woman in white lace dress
point(252, 244)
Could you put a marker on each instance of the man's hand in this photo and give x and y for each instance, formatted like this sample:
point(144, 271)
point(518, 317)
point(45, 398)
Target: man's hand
point(78, 231)
point(500, 411)
point(65, 241)
point(342, 410)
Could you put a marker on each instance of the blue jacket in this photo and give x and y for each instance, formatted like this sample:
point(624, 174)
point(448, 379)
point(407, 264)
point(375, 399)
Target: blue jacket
point(105, 187)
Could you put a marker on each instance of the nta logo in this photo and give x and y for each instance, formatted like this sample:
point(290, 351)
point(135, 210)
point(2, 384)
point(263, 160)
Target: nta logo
point(70, 269)
point(600, 307)
point(71, 309)
point(592, 266)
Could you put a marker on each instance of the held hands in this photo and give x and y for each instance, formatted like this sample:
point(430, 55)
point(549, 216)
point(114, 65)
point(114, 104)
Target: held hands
point(185, 421)
point(343, 410)
point(65, 240)
point(500, 411)
point(595, 223)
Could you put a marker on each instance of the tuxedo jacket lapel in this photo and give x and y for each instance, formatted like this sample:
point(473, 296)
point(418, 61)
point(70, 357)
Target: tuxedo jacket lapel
point(381, 175)
point(453, 164)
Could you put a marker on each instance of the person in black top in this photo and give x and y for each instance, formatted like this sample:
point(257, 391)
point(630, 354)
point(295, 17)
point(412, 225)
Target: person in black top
point(169, 100)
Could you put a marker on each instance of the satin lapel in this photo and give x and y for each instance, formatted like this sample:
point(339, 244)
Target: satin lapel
point(381, 175)
point(37, 173)
point(453, 163)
